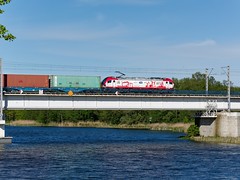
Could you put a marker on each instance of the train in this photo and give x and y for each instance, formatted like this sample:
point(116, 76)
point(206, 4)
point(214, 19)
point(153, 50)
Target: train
point(30, 83)
point(140, 84)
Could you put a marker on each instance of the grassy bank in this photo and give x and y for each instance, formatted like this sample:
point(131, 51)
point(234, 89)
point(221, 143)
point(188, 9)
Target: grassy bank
point(178, 127)
point(228, 140)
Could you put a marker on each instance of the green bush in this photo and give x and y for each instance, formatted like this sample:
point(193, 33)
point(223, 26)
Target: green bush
point(192, 131)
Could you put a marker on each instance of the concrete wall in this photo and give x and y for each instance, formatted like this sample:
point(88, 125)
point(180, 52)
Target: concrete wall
point(2, 130)
point(227, 124)
point(207, 126)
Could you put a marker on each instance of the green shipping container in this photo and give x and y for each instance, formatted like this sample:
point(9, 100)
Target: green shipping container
point(75, 81)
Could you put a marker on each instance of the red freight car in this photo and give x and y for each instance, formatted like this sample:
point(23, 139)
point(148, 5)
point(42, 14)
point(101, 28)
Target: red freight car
point(22, 80)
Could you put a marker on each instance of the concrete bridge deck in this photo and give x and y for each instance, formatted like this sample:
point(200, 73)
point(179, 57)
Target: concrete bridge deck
point(116, 102)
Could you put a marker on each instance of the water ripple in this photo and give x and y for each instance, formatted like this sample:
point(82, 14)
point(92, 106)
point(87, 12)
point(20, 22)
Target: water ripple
point(92, 153)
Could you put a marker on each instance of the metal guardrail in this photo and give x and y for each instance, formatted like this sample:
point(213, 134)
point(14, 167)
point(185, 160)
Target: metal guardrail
point(124, 92)
point(121, 94)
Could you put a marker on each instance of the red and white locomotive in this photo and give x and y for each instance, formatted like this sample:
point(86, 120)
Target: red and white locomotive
point(138, 83)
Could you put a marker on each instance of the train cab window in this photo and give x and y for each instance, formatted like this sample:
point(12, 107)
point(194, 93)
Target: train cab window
point(170, 83)
point(109, 81)
point(114, 81)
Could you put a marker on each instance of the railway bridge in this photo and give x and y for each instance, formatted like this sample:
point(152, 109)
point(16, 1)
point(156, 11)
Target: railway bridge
point(116, 102)
point(112, 102)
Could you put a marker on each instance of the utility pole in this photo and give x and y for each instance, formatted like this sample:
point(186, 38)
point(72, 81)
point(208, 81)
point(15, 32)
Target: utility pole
point(1, 91)
point(2, 122)
point(207, 78)
point(229, 88)
point(206, 81)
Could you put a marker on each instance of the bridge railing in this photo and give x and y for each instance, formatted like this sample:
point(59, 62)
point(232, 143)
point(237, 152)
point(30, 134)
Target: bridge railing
point(15, 90)
point(119, 94)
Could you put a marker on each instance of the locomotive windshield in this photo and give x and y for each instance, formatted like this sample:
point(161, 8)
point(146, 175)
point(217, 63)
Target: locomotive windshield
point(103, 81)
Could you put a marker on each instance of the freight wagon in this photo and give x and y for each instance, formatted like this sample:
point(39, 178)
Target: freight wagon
point(74, 83)
point(49, 83)
point(23, 82)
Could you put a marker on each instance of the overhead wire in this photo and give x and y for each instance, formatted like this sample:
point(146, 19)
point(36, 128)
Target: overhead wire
point(16, 66)
point(69, 69)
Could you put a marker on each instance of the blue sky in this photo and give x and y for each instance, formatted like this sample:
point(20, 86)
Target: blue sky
point(166, 38)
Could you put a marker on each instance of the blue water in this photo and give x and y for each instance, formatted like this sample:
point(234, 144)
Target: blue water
point(98, 153)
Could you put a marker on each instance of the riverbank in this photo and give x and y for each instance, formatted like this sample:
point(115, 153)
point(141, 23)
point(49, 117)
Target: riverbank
point(177, 127)
point(227, 140)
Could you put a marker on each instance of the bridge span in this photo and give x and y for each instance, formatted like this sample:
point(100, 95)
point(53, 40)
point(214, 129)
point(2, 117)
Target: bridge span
point(115, 102)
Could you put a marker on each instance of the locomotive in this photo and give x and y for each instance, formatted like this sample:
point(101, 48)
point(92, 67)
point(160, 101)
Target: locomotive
point(134, 84)
point(85, 84)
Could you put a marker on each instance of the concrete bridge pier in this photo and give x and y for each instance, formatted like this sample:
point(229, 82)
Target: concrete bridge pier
point(225, 124)
point(2, 128)
point(3, 139)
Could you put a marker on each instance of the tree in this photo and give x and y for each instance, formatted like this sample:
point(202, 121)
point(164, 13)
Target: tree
point(193, 130)
point(3, 30)
point(198, 76)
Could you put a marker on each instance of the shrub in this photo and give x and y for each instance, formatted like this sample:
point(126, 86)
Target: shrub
point(193, 130)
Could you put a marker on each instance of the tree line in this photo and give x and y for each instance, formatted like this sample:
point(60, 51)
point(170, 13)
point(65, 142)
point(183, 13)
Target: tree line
point(113, 117)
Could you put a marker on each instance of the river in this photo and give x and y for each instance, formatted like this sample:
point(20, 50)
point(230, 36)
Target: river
point(102, 153)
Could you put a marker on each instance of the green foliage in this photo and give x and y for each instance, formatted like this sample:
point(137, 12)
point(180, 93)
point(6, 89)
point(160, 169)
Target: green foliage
point(4, 34)
point(3, 2)
point(198, 83)
point(133, 117)
point(10, 115)
point(111, 117)
point(42, 117)
point(192, 131)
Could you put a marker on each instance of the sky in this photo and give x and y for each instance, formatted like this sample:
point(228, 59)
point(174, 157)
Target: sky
point(165, 38)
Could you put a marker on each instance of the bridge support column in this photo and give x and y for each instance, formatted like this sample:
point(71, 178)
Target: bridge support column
point(226, 124)
point(207, 126)
point(2, 128)
point(3, 139)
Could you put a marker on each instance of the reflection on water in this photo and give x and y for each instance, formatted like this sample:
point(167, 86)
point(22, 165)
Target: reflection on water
point(83, 153)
